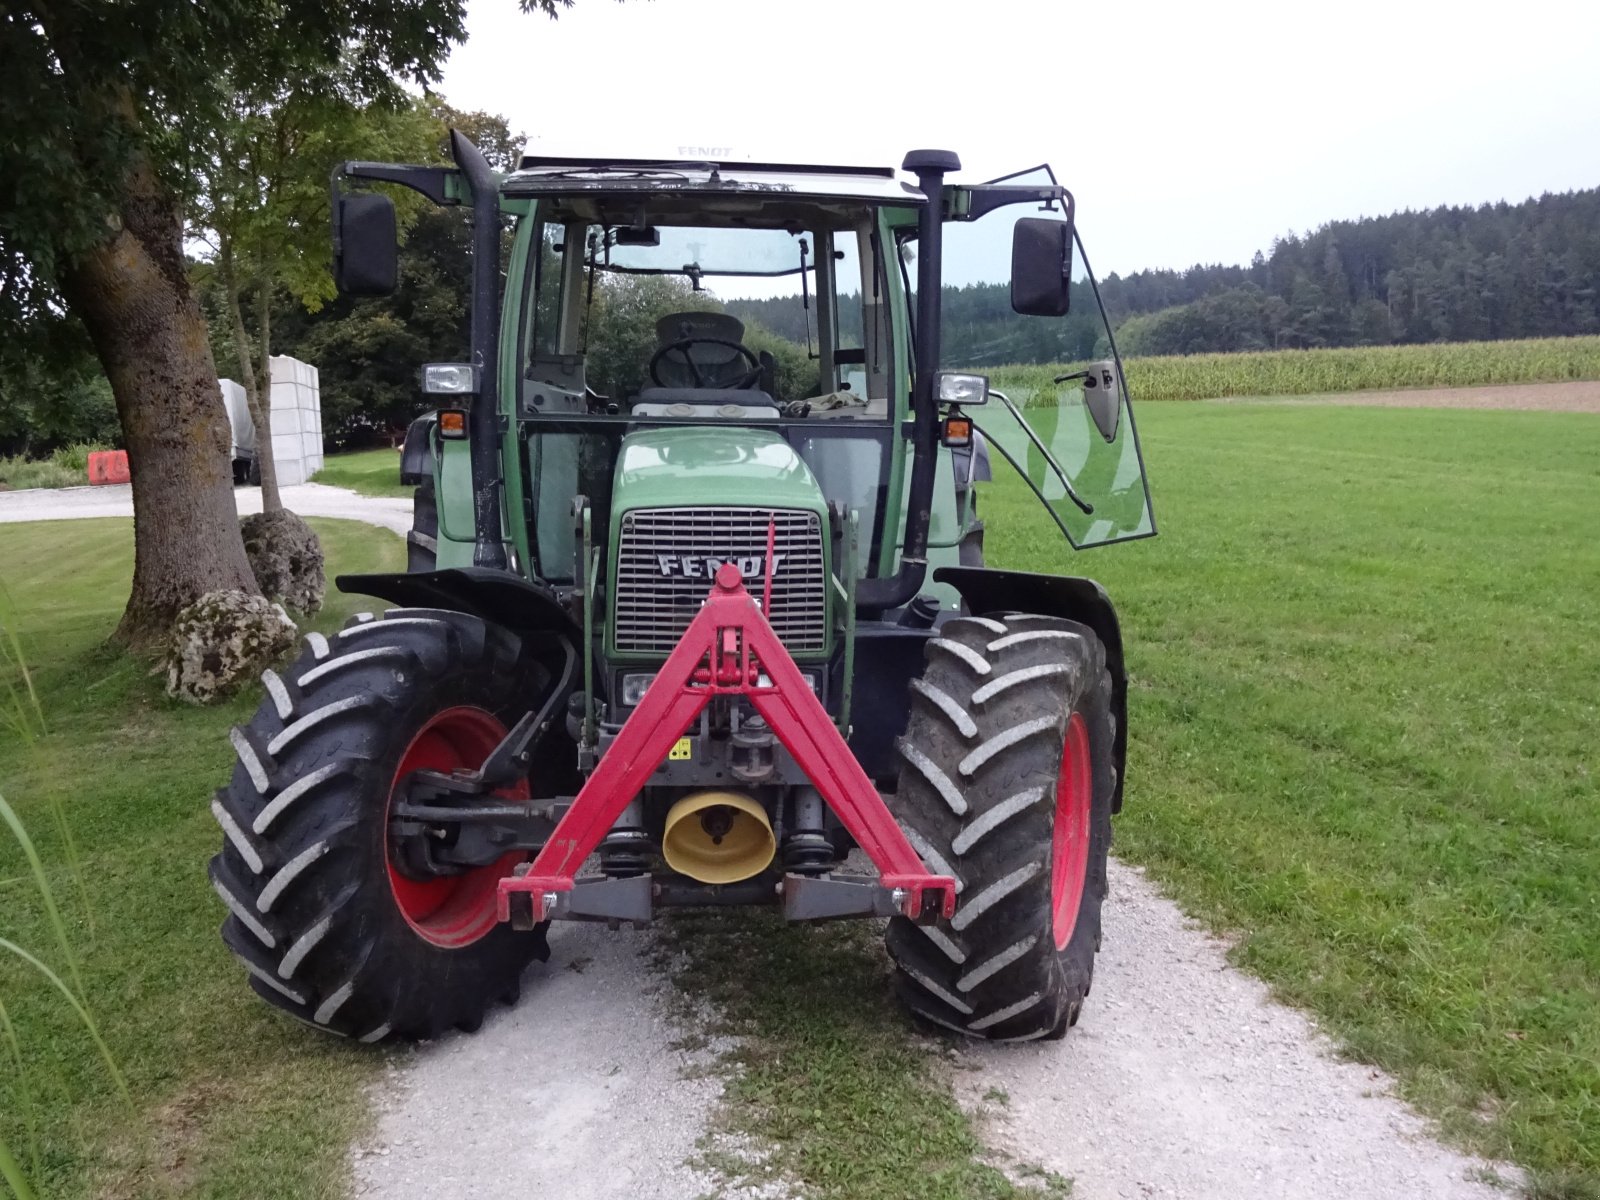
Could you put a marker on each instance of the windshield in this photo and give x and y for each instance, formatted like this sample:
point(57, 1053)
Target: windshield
point(744, 308)
point(758, 301)
point(695, 252)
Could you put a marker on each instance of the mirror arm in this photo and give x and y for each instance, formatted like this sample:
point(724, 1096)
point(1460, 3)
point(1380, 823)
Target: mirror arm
point(433, 182)
point(985, 198)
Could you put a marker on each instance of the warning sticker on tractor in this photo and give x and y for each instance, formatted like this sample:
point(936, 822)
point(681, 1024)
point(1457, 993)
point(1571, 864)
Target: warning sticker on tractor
point(681, 750)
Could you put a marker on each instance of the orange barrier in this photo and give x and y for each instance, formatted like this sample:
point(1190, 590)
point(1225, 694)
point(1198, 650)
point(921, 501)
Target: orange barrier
point(108, 466)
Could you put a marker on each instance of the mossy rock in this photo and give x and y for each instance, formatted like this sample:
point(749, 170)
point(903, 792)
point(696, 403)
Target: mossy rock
point(287, 559)
point(223, 641)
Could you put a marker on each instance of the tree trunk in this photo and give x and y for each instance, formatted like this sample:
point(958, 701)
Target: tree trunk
point(132, 293)
point(271, 500)
point(257, 387)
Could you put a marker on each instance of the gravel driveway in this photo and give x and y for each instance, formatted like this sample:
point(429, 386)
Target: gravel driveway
point(116, 500)
point(1185, 1079)
point(576, 1093)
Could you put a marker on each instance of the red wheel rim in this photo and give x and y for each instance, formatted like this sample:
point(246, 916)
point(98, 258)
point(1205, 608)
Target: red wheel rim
point(1069, 842)
point(455, 910)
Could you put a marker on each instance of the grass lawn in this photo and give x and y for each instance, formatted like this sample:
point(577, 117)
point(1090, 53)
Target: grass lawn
point(229, 1100)
point(370, 472)
point(1365, 658)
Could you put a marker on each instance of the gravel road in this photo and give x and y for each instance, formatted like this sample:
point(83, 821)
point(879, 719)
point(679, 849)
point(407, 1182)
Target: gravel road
point(116, 500)
point(576, 1093)
point(1185, 1079)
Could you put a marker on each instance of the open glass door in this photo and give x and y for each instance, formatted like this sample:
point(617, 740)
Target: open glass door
point(1058, 409)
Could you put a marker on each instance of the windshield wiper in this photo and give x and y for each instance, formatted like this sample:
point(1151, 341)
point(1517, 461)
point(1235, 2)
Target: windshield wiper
point(673, 170)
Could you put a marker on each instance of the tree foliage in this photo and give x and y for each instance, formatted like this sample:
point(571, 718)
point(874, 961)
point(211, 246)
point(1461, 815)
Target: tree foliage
point(1447, 274)
point(368, 351)
point(261, 206)
point(105, 112)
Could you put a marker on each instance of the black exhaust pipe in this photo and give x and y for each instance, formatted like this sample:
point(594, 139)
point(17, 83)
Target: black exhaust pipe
point(483, 422)
point(876, 595)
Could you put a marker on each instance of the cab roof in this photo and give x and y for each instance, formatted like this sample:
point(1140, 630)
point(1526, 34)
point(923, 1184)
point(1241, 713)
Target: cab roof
point(541, 175)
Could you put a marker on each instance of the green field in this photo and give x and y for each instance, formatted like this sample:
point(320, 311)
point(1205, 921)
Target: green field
point(1365, 660)
point(229, 1100)
point(1317, 372)
point(370, 472)
point(1364, 656)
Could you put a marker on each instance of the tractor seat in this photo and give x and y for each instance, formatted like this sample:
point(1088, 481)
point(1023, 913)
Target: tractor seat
point(715, 361)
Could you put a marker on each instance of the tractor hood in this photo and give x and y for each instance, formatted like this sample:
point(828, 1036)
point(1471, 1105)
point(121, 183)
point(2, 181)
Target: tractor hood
point(709, 466)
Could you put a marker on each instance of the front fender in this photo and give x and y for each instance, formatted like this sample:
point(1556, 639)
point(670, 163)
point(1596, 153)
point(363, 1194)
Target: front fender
point(987, 590)
point(499, 596)
point(416, 456)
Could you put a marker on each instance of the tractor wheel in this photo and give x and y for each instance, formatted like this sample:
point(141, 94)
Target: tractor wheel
point(1006, 782)
point(422, 543)
point(321, 915)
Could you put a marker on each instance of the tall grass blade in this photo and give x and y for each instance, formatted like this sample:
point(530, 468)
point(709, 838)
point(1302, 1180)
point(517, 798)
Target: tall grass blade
point(74, 865)
point(11, 1172)
point(25, 1096)
point(58, 926)
point(25, 715)
point(77, 1007)
point(20, 711)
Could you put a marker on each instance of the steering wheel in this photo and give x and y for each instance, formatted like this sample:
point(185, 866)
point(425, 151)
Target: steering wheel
point(747, 380)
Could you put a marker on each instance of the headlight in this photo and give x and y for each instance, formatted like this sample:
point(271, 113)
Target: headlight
point(634, 688)
point(953, 388)
point(450, 379)
point(813, 680)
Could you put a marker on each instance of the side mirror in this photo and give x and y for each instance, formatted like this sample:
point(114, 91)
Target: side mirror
point(1102, 395)
point(366, 255)
point(1041, 267)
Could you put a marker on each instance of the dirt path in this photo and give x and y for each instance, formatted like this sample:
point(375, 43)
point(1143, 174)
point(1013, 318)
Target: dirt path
point(1184, 1079)
point(307, 499)
point(576, 1093)
point(1581, 396)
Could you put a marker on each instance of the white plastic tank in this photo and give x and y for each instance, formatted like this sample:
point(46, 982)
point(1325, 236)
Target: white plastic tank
point(239, 421)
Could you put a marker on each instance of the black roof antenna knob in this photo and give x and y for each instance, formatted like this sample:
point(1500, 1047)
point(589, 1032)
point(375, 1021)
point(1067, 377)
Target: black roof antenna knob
point(917, 161)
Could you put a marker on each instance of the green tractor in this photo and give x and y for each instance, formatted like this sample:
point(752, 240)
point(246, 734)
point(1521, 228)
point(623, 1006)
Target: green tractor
point(697, 612)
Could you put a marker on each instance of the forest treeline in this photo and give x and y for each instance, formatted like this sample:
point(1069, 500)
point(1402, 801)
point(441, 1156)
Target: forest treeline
point(1445, 274)
point(1492, 272)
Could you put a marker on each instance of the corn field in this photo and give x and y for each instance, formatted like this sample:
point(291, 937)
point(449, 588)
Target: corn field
point(1315, 372)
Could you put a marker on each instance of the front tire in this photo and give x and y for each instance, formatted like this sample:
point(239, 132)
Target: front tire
point(330, 930)
point(1006, 782)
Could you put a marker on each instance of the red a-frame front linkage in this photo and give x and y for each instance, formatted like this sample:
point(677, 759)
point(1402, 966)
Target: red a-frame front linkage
point(726, 649)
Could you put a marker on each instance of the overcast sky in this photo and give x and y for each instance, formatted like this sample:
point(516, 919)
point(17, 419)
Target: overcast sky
point(1188, 132)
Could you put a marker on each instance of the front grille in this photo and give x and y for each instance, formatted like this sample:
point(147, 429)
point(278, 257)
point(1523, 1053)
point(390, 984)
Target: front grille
point(667, 557)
